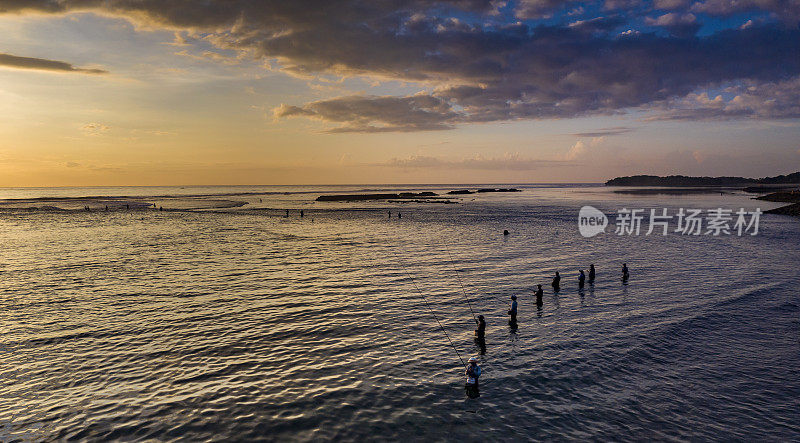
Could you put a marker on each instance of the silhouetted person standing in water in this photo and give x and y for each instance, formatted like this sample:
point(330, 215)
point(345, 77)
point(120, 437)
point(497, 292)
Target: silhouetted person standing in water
point(591, 274)
point(513, 311)
point(581, 279)
point(625, 274)
point(301, 214)
point(557, 282)
point(480, 333)
point(287, 213)
point(539, 294)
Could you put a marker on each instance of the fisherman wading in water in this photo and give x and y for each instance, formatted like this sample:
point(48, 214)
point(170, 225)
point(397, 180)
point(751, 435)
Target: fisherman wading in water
point(473, 372)
point(480, 333)
point(539, 294)
point(513, 311)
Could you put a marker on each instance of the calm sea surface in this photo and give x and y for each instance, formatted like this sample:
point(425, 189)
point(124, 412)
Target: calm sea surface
point(214, 320)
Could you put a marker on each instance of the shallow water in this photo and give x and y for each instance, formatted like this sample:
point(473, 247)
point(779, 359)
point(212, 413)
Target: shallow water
point(239, 324)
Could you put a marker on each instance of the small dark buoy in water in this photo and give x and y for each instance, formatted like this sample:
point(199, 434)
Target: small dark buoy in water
point(160, 208)
point(505, 232)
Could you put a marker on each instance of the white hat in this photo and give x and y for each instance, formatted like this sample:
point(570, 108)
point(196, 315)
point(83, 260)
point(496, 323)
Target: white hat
point(473, 360)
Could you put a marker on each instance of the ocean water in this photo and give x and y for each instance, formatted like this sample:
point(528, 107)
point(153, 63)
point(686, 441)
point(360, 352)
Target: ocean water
point(215, 321)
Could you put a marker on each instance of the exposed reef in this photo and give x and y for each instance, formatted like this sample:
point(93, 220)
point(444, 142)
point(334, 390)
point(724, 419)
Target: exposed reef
point(363, 197)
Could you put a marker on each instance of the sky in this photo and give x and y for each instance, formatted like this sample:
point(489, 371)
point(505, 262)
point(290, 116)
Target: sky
point(236, 92)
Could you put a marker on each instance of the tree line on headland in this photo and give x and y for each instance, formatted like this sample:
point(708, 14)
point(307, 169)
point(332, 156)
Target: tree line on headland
point(682, 180)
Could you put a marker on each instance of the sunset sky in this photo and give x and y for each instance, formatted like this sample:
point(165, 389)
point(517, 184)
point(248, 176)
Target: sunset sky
point(126, 92)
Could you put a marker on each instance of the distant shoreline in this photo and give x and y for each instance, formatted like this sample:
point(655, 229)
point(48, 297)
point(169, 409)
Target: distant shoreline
point(779, 189)
point(766, 184)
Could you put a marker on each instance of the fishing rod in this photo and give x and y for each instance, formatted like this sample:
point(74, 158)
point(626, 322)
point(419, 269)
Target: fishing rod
point(464, 291)
point(429, 308)
point(462, 285)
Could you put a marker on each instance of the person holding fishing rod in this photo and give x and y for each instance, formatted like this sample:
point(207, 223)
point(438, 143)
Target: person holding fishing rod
point(473, 372)
point(480, 334)
point(539, 294)
point(513, 311)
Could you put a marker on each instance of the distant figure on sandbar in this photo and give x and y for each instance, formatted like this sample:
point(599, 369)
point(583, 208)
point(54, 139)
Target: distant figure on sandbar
point(513, 311)
point(557, 282)
point(399, 215)
point(301, 214)
point(127, 206)
point(539, 294)
point(287, 213)
point(473, 372)
point(390, 214)
point(505, 232)
point(591, 274)
point(480, 333)
point(581, 279)
point(625, 274)
point(106, 207)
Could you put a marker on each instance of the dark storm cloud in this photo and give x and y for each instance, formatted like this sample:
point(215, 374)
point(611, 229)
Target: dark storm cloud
point(559, 73)
point(13, 61)
point(533, 9)
point(605, 132)
point(775, 100)
point(491, 60)
point(787, 10)
point(377, 114)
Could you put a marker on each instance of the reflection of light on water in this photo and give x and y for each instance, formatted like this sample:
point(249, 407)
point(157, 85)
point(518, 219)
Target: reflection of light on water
point(241, 323)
